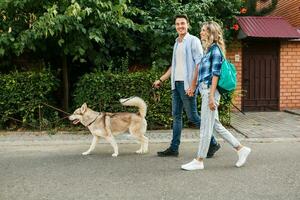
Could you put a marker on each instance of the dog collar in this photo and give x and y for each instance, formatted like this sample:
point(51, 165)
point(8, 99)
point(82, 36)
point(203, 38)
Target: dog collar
point(93, 120)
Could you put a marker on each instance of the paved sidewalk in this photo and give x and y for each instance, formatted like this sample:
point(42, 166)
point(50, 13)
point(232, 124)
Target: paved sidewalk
point(267, 124)
point(254, 126)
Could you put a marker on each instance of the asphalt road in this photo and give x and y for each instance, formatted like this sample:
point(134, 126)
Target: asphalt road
point(61, 172)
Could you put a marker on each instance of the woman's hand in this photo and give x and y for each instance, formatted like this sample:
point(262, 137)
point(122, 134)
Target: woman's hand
point(211, 104)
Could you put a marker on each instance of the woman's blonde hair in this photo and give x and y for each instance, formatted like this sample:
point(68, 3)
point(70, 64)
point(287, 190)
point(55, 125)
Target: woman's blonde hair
point(215, 35)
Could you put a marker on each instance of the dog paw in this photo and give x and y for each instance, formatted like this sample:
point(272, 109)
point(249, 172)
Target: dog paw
point(114, 155)
point(86, 153)
point(145, 151)
point(139, 151)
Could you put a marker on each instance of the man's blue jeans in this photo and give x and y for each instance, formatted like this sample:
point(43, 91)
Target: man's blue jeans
point(181, 100)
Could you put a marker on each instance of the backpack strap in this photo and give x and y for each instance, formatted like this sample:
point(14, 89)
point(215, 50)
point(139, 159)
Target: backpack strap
point(219, 49)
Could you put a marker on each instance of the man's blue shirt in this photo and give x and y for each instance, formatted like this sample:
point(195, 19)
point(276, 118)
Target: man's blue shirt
point(193, 53)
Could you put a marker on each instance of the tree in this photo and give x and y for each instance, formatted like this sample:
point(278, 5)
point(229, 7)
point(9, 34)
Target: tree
point(64, 29)
point(252, 10)
point(102, 34)
point(160, 17)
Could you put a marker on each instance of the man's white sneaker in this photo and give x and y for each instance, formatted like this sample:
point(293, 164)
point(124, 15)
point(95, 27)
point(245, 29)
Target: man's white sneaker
point(193, 165)
point(243, 153)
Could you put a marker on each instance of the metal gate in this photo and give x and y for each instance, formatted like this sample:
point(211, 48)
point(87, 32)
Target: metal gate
point(260, 74)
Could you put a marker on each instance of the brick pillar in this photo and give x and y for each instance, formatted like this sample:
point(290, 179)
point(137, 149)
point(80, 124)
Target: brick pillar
point(234, 50)
point(289, 75)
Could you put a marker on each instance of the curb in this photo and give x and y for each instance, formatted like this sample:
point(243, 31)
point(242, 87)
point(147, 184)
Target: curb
point(152, 141)
point(292, 112)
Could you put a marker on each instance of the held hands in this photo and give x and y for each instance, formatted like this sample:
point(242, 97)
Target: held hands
point(190, 91)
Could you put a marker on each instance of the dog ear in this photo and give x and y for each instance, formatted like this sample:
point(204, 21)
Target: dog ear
point(83, 108)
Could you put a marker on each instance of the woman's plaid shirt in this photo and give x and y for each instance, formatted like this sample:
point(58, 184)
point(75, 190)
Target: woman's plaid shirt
point(210, 65)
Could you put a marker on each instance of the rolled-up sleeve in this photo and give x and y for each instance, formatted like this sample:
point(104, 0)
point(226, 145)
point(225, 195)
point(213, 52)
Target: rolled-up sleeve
point(216, 60)
point(197, 50)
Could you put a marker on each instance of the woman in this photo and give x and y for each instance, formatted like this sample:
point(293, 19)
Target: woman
point(209, 72)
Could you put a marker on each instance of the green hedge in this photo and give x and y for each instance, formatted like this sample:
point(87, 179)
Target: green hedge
point(102, 91)
point(21, 94)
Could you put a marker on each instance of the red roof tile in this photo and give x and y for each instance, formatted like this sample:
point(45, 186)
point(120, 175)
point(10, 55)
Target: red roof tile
point(267, 27)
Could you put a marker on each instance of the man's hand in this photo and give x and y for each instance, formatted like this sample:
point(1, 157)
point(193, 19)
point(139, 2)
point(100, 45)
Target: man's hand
point(157, 84)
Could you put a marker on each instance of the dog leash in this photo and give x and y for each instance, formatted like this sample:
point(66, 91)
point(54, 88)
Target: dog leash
point(56, 109)
point(155, 97)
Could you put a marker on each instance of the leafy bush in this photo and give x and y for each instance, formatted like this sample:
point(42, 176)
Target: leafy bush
point(101, 32)
point(102, 91)
point(22, 95)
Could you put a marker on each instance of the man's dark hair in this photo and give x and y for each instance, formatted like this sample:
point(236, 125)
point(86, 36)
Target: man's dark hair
point(182, 16)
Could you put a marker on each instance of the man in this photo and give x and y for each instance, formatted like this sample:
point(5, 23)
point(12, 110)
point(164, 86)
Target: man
point(187, 53)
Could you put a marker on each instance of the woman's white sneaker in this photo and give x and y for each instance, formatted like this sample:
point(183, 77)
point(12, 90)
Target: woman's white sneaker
point(243, 153)
point(193, 165)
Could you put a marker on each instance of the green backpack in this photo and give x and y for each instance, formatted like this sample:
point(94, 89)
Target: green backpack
point(227, 80)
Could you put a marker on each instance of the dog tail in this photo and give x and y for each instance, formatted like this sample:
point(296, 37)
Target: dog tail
point(136, 101)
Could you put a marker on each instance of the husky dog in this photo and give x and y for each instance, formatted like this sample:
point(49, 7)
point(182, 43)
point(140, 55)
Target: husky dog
point(107, 125)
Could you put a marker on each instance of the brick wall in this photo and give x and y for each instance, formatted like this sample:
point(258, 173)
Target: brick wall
point(290, 75)
point(289, 10)
point(234, 49)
